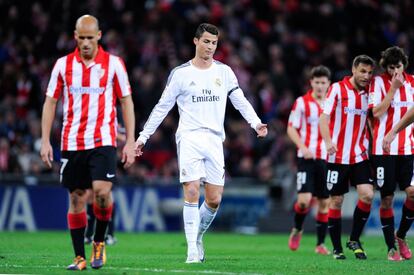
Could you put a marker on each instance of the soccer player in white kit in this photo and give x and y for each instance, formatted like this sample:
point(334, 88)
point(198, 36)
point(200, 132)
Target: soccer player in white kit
point(200, 88)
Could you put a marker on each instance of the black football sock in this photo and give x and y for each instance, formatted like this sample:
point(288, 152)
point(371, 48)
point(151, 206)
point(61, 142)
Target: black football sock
point(387, 222)
point(407, 218)
point(361, 214)
point(91, 221)
point(300, 215)
point(335, 229)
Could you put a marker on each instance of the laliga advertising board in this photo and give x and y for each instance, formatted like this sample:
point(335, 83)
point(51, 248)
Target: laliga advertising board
point(139, 208)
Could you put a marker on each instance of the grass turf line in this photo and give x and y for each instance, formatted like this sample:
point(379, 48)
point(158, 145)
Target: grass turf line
point(165, 253)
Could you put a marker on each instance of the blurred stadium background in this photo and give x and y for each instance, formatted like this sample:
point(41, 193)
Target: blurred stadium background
point(270, 44)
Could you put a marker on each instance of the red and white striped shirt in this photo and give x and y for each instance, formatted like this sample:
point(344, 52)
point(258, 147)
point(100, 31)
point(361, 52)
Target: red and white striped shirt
point(348, 110)
point(89, 98)
point(305, 118)
point(403, 99)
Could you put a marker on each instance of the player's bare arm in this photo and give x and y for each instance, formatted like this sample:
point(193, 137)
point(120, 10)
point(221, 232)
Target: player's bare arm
point(128, 152)
point(294, 136)
point(48, 115)
point(324, 128)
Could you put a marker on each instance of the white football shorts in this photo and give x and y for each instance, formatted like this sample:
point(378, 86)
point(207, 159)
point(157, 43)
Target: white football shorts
point(200, 157)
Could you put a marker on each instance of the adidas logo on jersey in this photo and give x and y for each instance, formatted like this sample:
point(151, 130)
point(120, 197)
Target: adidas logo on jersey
point(192, 83)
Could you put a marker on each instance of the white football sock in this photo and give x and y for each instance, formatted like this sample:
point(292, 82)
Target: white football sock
point(191, 217)
point(207, 216)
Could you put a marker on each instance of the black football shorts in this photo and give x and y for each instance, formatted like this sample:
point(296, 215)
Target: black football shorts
point(390, 170)
point(80, 168)
point(311, 177)
point(340, 176)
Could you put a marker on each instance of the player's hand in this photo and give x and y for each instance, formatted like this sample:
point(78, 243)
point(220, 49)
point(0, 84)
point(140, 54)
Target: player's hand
point(261, 130)
point(128, 154)
point(46, 153)
point(307, 154)
point(331, 148)
point(138, 147)
point(386, 143)
point(397, 80)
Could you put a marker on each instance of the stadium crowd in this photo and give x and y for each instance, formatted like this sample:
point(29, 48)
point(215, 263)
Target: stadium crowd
point(270, 45)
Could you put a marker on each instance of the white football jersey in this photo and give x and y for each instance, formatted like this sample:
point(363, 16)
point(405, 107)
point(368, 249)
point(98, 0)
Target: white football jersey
point(201, 96)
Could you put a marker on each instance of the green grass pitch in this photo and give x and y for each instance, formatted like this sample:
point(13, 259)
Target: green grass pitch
point(164, 253)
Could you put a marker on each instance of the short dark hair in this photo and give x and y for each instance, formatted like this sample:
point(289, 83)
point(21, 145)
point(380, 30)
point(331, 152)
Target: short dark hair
point(393, 56)
point(206, 27)
point(320, 71)
point(363, 59)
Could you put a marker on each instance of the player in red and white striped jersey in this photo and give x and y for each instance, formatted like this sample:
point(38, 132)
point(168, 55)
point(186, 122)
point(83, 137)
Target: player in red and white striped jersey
point(303, 130)
point(89, 81)
point(391, 95)
point(343, 127)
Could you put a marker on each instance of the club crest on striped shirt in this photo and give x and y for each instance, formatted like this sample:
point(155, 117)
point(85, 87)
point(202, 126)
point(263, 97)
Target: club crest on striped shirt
point(371, 98)
point(101, 73)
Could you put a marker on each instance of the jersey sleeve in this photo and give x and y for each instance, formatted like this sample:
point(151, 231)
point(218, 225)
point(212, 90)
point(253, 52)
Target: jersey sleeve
point(375, 92)
point(164, 105)
point(239, 101)
point(332, 98)
point(121, 84)
point(232, 83)
point(56, 82)
point(295, 116)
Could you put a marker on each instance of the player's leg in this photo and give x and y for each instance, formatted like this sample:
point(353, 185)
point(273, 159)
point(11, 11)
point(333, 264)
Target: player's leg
point(77, 224)
point(360, 217)
point(102, 208)
point(102, 166)
point(385, 180)
point(407, 216)
point(360, 177)
point(301, 209)
point(322, 195)
point(321, 226)
point(75, 178)
point(214, 184)
point(337, 185)
point(335, 225)
point(192, 169)
point(91, 217)
point(208, 211)
point(110, 238)
point(387, 224)
point(191, 218)
point(304, 185)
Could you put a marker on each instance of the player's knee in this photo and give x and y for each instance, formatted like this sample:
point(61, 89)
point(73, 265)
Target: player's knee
point(304, 201)
point(303, 204)
point(323, 204)
point(77, 200)
point(214, 202)
point(386, 202)
point(367, 196)
point(336, 202)
point(192, 194)
point(102, 194)
point(410, 192)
